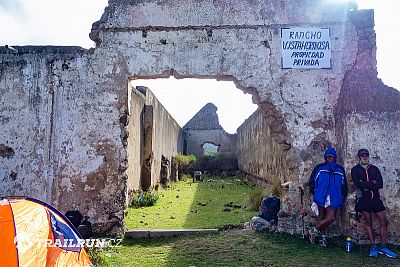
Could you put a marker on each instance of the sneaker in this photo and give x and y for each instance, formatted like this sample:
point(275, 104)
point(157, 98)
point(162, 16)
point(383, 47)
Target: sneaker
point(387, 252)
point(312, 234)
point(374, 251)
point(323, 242)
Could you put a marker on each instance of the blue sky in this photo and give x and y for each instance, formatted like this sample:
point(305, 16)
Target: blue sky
point(56, 22)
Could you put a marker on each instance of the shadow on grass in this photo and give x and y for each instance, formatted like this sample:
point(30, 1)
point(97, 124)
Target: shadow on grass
point(240, 248)
point(218, 203)
point(234, 247)
point(195, 205)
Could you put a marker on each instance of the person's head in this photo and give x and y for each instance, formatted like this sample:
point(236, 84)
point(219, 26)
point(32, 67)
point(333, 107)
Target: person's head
point(363, 155)
point(330, 155)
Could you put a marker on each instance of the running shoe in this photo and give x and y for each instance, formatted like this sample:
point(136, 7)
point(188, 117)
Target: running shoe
point(323, 242)
point(312, 234)
point(387, 252)
point(374, 251)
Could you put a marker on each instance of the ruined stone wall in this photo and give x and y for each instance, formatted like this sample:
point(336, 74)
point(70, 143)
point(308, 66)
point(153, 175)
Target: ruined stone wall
point(135, 148)
point(167, 137)
point(61, 118)
point(380, 134)
point(196, 139)
point(259, 154)
point(368, 116)
point(203, 128)
point(75, 137)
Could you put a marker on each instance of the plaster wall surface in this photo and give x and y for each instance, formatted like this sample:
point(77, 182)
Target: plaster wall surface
point(75, 137)
point(259, 155)
point(62, 122)
point(167, 137)
point(380, 134)
point(135, 148)
point(197, 138)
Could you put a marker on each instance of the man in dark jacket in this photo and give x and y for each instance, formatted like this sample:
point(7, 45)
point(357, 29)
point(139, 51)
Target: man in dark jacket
point(368, 180)
point(328, 185)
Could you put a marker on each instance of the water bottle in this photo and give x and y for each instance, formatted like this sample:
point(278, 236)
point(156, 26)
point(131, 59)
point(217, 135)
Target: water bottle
point(349, 244)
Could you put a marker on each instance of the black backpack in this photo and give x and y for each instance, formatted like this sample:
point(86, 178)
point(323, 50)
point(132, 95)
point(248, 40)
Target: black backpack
point(75, 217)
point(81, 223)
point(85, 229)
point(269, 209)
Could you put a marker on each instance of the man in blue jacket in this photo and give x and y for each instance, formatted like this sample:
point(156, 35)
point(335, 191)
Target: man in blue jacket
point(328, 185)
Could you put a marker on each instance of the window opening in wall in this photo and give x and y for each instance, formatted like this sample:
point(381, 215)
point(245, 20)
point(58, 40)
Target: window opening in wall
point(210, 149)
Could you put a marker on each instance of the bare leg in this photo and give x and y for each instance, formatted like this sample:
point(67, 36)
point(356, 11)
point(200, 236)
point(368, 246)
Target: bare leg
point(383, 226)
point(321, 216)
point(330, 217)
point(368, 226)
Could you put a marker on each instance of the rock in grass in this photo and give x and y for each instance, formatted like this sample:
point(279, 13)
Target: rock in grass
point(227, 209)
point(172, 217)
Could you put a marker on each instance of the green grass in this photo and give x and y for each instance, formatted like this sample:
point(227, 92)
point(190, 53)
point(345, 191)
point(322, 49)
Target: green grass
point(238, 248)
point(179, 208)
point(194, 205)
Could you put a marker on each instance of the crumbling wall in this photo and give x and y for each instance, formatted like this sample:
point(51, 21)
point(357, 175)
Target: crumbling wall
point(368, 116)
point(261, 148)
point(167, 138)
point(153, 134)
point(203, 128)
point(63, 119)
point(135, 148)
point(65, 108)
point(196, 138)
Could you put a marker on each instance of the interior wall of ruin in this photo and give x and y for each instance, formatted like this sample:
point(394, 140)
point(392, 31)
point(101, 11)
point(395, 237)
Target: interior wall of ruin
point(196, 139)
point(167, 137)
point(260, 152)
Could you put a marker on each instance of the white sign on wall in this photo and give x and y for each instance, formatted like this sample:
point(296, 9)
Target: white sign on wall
point(306, 48)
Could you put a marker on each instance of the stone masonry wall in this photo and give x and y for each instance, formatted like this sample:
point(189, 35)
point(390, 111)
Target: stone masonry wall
point(61, 119)
point(204, 127)
point(64, 108)
point(259, 154)
point(197, 138)
point(166, 138)
point(135, 148)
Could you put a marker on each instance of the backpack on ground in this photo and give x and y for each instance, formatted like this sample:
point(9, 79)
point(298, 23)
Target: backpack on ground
point(269, 209)
point(80, 222)
point(85, 229)
point(75, 217)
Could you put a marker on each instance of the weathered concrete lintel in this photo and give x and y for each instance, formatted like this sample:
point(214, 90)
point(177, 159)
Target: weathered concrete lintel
point(207, 27)
point(42, 49)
